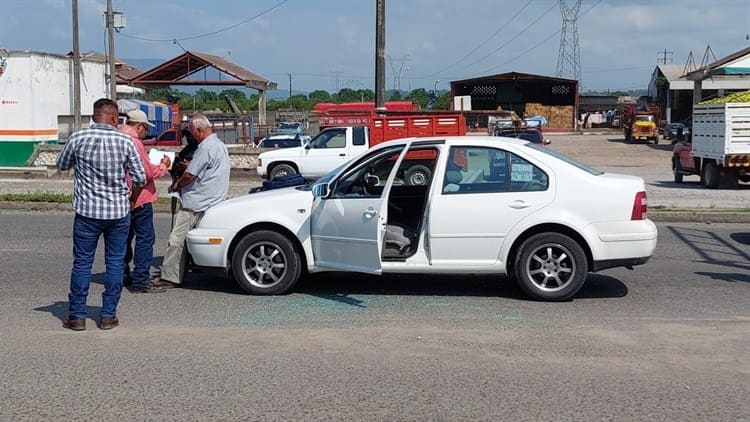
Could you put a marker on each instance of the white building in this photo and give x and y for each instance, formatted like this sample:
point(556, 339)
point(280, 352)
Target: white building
point(36, 99)
point(685, 87)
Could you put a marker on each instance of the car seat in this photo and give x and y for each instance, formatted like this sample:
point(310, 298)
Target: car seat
point(452, 179)
point(398, 239)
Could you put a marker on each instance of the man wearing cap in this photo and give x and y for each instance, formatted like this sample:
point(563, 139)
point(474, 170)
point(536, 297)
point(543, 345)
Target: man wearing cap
point(142, 212)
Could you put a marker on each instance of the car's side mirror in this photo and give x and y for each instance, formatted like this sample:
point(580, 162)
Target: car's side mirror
point(320, 190)
point(547, 141)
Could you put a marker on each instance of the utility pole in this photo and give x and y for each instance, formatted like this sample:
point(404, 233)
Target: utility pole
point(290, 85)
point(663, 56)
point(76, 71)
point(111, 35)
point(380, 54)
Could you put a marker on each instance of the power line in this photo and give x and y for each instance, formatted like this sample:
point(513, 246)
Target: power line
point(208, 34)
point(510, 40)
point(480, 45)
point(534, 47)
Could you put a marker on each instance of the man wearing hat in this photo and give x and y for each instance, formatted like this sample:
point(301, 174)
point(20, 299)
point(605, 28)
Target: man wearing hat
point(142, 212)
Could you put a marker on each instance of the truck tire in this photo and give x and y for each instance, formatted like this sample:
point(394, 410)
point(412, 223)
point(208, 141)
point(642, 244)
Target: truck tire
point(711, 176)
point(418, 175)
point(677, 169)
point(281, 170)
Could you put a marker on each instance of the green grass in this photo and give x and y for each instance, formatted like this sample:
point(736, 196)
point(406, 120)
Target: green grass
point(58, 198)
point(36, 197)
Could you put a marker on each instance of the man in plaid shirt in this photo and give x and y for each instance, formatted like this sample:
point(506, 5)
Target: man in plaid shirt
point(100, 156)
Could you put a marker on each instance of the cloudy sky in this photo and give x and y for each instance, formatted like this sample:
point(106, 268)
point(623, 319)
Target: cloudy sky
point(329, 44)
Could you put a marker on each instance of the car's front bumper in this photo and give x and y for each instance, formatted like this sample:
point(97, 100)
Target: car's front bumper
point(209, 247)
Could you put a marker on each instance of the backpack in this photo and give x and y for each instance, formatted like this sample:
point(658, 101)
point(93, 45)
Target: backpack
point(294, 179)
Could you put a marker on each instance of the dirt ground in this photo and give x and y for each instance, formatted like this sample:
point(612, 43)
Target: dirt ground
point(606, 151)
point(609, 152)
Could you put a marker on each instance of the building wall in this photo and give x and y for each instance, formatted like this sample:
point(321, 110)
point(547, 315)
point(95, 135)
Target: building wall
point(35, 90)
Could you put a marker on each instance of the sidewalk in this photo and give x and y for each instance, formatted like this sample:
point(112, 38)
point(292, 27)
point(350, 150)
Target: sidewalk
point(678, 207)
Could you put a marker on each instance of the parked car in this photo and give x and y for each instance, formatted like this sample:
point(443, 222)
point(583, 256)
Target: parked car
point(171, 137)
point(527, 134)
point(283, 141)
point(672, 131)
point(289, 128)
point(492, 206)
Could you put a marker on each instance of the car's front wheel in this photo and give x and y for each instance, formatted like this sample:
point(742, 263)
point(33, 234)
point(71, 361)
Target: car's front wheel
point(266, 263)
point(550, 266)
point(281, 170)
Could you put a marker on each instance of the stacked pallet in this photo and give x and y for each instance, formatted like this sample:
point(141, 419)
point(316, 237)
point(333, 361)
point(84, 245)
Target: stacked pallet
point(557, 116)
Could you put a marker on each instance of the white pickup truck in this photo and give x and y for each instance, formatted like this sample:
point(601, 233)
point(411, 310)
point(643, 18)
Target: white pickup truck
point(327, 150)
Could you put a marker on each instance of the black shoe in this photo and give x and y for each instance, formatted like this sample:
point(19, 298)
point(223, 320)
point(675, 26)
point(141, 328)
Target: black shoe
point(127, 281)
point(108, 323)
point(151, 288)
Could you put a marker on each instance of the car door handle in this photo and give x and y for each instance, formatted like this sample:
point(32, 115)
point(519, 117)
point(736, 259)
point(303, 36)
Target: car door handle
point(342, 155)
point(519, 204)
point(370, 213)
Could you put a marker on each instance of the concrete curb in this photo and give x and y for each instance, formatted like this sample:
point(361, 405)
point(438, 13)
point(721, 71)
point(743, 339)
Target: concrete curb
point(671, 216)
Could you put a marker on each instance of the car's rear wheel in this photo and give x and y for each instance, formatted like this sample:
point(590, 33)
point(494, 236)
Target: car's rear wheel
point(677, 169)
point(266, 263)
point(281, 170)
point(550, 266)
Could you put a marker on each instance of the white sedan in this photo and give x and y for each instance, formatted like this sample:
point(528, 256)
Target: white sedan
point(492, 206)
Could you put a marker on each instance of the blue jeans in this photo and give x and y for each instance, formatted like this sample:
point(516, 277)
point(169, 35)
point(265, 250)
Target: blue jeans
point(142, 229)
point(86, 232)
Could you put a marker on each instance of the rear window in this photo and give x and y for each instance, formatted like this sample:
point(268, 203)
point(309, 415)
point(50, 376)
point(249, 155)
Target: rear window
point(279, 143)
point(534, 137)
point(565, 158)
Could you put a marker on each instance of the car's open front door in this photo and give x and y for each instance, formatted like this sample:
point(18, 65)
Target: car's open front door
point(348, 226)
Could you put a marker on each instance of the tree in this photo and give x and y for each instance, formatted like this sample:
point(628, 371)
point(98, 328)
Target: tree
point(234, 94)
point(395, 96)
point(298, 102)
point(443, 102)
point(319, 96)
point(419, 97)
point(347, 95)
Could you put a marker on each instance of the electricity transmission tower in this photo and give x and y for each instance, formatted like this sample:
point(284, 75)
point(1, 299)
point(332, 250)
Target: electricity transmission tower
point(569, 57)
point(397, 66)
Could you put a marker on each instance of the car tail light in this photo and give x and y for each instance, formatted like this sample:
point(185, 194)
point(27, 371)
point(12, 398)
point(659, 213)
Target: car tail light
point(640, 206)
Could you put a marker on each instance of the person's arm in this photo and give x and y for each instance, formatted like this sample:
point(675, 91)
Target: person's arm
point(184, 180)
point(153, 171)
point(66, 159)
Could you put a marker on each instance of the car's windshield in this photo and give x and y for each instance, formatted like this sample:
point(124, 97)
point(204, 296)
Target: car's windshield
point(644, 118)
point(293, 126)
point(565, 158)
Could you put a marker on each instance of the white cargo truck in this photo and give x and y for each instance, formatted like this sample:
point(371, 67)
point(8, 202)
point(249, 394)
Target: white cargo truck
point(720, 146)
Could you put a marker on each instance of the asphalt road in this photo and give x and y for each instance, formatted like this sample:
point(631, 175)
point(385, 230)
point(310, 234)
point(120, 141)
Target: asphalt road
point(667, 341)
